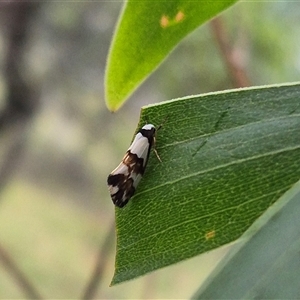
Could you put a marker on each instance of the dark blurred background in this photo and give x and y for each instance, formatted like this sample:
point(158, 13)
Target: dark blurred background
point(58, 142)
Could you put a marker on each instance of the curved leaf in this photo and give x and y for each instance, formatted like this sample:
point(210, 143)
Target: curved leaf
point(146, 33)
point(266, 264)
point(226, 157)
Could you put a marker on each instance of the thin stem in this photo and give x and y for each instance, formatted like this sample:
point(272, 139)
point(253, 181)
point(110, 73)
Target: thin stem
point(97, 275)
point(21, 279)
point(233, 56)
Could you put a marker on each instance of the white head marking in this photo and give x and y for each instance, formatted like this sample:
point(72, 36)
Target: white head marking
point(148, 127)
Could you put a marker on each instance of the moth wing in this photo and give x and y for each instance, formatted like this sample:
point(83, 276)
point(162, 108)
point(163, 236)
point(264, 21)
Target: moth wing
point(120, 169)
point(141, 147)
point(124, 179)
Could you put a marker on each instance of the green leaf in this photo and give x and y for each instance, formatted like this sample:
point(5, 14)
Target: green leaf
point(266, 264)
point(146, 33)
point(226, 157)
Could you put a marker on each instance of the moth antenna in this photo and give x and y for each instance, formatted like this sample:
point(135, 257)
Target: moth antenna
point(163, 122)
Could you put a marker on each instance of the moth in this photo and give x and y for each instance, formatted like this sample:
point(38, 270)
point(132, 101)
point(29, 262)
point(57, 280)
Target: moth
point(124, 179)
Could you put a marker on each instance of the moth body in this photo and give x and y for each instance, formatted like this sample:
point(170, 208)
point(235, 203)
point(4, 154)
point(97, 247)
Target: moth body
point(124, 179)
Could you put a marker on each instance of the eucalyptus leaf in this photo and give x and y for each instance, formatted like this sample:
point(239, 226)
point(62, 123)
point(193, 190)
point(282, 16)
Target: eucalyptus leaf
point(226, 158)
point(266, 264)
point(146, 33)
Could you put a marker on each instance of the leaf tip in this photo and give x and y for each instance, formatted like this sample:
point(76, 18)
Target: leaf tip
point(113, 103)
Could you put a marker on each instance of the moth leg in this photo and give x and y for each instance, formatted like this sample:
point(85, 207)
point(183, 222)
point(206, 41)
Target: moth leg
point(155, 151)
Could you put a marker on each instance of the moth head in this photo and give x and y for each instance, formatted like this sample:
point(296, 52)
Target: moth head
point(148, 127)
point(148, 131)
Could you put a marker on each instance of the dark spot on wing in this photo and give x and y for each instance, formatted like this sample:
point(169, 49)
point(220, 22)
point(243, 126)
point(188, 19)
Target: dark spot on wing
point(125, 188)
point(114, 179)
point(134, 163)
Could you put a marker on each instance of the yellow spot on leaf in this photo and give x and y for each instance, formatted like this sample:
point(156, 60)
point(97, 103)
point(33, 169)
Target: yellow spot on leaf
point(209, 235)
point(179, 17)
point(166, 21)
